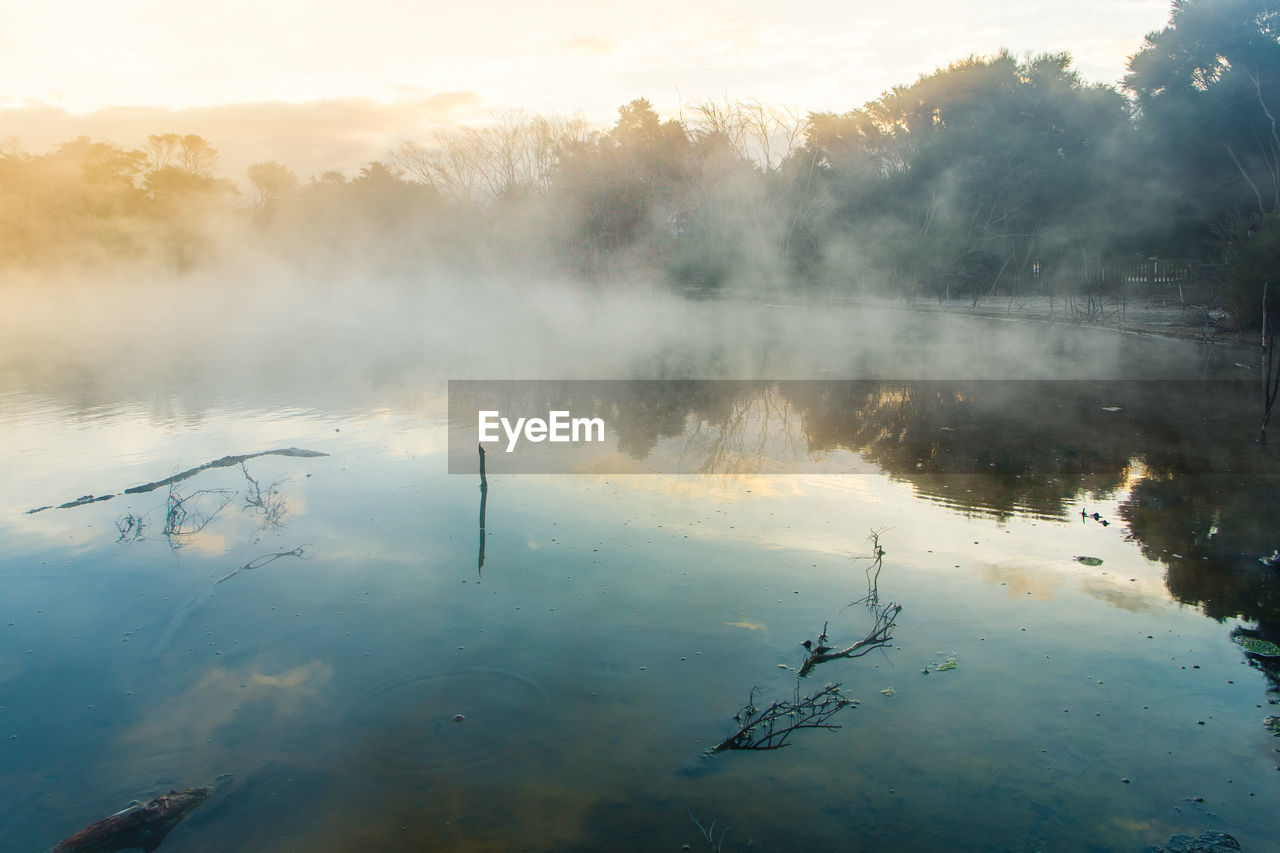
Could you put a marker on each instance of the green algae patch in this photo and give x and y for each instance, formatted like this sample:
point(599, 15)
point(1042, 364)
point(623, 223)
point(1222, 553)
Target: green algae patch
point(1256, 646)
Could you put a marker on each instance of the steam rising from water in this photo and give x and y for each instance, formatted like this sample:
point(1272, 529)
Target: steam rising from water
point(253, 331)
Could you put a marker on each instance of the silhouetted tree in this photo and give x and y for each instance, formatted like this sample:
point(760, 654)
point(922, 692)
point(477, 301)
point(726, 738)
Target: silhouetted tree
point(272, 182)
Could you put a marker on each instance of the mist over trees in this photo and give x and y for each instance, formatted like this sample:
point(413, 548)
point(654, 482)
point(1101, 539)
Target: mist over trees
point(973, 179)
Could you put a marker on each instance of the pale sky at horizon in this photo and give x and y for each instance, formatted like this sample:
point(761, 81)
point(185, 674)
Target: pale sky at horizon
point(107, 69)
point(566, 56)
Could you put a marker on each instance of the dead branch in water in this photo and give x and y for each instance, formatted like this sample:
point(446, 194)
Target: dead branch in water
point(771, 727)
point(224, 462)
point(709, 832)
point(259, 562)
point(132, 527)
point(270, 503)
point(881, 634)
point(184, 516)
point(884, 619)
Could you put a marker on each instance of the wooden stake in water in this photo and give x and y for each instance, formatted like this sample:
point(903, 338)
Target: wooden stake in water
point(484, 497)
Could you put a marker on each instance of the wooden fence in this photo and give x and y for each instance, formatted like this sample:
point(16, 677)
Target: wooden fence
point(1134, 275)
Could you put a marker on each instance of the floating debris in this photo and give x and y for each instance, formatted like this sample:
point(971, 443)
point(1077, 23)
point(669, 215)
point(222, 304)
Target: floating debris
point(888, 691)
point(948, 663)
point(1272, 724)
point(1089, 561)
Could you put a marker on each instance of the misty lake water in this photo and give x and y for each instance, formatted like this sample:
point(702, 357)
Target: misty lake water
point(316, 625)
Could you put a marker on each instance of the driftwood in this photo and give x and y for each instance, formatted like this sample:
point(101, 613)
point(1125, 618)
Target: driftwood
point(140, 826)
point(80, 501)
point(224, 462)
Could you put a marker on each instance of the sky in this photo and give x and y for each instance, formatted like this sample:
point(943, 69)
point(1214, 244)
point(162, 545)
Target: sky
point(365, 74)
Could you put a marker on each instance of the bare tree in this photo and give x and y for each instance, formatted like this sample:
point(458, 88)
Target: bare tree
point(767, 136)
point(473, 165)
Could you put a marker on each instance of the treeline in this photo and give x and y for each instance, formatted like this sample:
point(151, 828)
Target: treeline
point(969, 180)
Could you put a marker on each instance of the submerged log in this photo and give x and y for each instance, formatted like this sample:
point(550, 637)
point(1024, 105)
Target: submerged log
point(140, 826)
point(224, 462)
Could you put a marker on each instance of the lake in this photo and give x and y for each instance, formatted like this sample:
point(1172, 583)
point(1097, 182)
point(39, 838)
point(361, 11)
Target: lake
point(1076, 524)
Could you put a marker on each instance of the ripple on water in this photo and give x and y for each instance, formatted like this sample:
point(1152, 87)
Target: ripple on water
point(407, 723)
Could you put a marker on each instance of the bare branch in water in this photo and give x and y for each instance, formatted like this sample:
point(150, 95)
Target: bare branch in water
point(184, 516)
point(269, 502)
point(224, 462)
point(709, 832)
point(872, 597)
point(259, 562)
point(884, 619)
point(132, 527)
point(771, 727)
point(880, 634)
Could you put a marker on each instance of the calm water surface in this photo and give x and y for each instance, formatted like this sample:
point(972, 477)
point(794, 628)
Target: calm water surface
point(313, 625)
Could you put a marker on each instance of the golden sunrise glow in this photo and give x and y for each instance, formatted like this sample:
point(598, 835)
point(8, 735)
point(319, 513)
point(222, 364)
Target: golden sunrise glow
point(347, 81)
